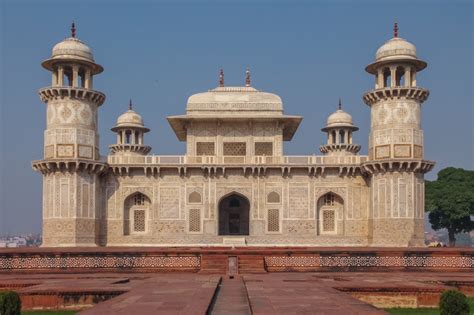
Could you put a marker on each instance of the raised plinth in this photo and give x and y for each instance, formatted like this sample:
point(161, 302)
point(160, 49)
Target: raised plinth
point(57, 92)
point(215, 260)
point(69, 165)
point(396, 165)
point(416, 93)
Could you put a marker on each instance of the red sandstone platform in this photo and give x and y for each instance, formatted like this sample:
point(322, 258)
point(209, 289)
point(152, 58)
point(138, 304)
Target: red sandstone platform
point(269, 293)
point(185, 280)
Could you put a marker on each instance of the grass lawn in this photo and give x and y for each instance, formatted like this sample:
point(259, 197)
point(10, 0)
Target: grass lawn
point(424, 311)
point(48, 312)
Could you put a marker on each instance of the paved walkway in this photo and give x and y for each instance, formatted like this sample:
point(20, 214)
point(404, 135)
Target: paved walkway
point(163, 294)
point(300, 294)
point(272, 293)
point(231, 298)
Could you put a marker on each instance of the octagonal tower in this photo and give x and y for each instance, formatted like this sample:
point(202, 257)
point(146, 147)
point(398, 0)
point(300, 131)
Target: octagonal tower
point(396, 166)
point(71, 164)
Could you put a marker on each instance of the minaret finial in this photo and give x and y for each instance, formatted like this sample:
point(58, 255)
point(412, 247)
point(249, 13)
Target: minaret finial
point(395, 30)
point(73, 30)
point(130, 105)
point(221, 78)
point(247, 77)
point(340, 104)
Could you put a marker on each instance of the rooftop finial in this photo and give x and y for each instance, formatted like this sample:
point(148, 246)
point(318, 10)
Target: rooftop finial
point(73, 30)
point(340, 104)
point(130, 105)
point(247, 77)
point(395, 30)
point(221, 78)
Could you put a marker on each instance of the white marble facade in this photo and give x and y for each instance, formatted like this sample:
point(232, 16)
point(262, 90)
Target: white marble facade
point(234, 185)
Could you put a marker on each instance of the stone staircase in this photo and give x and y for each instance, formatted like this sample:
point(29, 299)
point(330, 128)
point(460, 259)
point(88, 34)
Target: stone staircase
point(251, 264)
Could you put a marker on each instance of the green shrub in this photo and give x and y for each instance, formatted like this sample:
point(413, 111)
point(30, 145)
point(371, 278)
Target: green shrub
point(453, 302)
point(10, 303)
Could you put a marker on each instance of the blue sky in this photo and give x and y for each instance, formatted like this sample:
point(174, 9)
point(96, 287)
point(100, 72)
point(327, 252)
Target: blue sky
point(159, 53)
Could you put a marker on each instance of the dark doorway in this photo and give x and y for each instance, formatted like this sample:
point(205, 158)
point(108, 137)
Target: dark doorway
point(234, 215)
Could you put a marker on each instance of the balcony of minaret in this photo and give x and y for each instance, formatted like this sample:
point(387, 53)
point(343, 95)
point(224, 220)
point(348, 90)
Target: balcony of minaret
point(59, 92)
point(397, 92)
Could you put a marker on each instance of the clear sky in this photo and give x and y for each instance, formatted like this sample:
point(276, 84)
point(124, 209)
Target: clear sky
point(159, 53)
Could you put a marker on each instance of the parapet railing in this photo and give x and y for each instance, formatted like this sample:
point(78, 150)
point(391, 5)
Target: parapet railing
point(220, 160)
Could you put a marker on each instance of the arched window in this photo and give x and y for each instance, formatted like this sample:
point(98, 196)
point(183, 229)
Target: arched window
point(387, 77)
point(67, 73)
point(128, 135)
point(273, 197)
point(194, 197)
point(328, 199)
point(82, 77)
point(139, 199)
point(333, 141)
point(329, 205)
point(400, 76)
point(137, 137)
point(341, 136)
point(136, 208)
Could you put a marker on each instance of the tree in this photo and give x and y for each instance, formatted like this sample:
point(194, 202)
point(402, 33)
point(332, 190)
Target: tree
point(450, 201)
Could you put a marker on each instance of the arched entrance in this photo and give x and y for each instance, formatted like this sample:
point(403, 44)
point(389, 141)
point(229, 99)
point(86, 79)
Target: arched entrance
point(234, 215)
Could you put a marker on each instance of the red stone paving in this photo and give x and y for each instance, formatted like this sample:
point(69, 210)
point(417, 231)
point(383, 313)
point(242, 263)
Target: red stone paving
point(163, 294)
point(299, 294)
point(268, 293)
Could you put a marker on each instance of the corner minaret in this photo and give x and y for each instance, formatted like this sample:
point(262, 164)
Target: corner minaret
point(71, 163)
point(339, 129)
point(396, 166)
point(130, 131)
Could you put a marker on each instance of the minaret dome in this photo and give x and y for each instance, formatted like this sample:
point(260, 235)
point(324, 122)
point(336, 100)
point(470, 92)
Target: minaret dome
point(130, 130)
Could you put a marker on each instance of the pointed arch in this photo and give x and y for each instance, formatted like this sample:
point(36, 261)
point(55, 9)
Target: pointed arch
point(195, 197)
point(136, 212)
point(329, 212)
point(234, 214)
point(273, 197)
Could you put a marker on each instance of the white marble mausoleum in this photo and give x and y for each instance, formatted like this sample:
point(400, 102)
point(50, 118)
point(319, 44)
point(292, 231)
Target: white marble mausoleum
point(234, 185)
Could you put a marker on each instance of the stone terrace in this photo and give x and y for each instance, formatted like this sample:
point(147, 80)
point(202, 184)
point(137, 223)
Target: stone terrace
point(264, 293)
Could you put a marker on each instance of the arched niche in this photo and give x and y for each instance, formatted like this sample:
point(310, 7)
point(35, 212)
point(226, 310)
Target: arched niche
point(234, 215)
point(136, 213)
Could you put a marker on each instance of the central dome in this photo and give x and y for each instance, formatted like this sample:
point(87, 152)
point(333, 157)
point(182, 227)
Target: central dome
point(234, 99)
